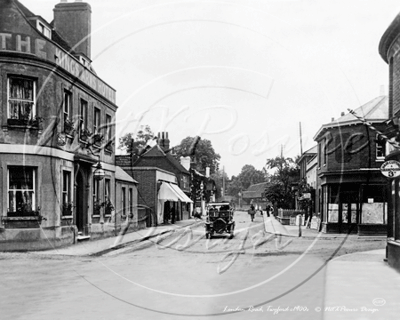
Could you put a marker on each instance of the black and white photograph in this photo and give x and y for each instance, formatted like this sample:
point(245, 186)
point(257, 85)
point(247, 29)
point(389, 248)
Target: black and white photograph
point(199, 159)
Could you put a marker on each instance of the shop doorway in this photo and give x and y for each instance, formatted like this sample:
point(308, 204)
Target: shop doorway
point(349, 210)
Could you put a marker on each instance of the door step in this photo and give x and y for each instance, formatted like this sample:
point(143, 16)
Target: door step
point(82, 237)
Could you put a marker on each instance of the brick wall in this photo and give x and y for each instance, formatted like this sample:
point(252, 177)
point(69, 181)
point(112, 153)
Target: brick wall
point(350, 148)
point(147, 190)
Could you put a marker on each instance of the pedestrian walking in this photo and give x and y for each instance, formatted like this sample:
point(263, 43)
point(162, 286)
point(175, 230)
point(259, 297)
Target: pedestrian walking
point(268, 209)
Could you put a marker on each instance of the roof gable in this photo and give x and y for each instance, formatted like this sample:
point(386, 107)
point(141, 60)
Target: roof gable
point(154, 151)
point(157, 152)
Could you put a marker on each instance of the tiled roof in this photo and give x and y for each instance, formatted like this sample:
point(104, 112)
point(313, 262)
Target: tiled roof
point(176, 163)
point(121, 175)
point(376, 110)
point(157, 152)
point(54, 35)
point(255, 190)
point(24, 9)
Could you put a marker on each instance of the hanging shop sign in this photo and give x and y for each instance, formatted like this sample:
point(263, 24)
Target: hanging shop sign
point(391, 169)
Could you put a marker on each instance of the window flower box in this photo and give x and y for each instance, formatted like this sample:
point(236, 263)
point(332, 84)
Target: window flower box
point(97, 139)
point(108, 147)
point(68, 127)
point(23, 218)
point(108, 207)
point(23, 213)
point(25, 121)
point(67, 209)
point(96, 208)
point(85, 135)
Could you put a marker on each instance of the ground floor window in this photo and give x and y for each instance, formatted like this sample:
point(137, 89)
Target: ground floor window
point(341, 203)
point(96, 197)
point(21, 191)
point(355, 204)
point(374, 204)
point(123, 200)
point(66, 194)
point(130, 201)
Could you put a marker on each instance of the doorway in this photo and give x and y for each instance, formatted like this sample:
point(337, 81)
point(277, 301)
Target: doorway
point(81, 203)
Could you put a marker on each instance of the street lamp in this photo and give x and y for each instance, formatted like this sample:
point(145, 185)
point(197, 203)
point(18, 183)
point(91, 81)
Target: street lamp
point(240, 195)
point(99, 173)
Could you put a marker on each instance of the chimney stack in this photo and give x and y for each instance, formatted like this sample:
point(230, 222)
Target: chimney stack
point(72, 20)
point(163, 140)
point(342, 114)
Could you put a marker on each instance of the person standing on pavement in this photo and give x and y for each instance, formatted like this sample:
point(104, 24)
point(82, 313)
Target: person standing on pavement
point(267, 210)
point(172, 214)
point(252, 212)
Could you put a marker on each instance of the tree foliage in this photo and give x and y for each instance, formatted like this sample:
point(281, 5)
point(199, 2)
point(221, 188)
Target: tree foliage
point(219, 176)
point(132, 144)
point(203, 155)
point(234, 186)
point(279, 190)
point(248, 175)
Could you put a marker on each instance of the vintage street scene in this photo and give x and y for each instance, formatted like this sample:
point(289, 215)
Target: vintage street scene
point(199, 159)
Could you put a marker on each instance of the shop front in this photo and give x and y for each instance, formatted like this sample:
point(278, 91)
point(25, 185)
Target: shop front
point(172, 203)
point(354, 208)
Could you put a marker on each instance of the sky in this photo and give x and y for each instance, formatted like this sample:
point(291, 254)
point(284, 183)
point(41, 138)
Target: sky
point(257, 78)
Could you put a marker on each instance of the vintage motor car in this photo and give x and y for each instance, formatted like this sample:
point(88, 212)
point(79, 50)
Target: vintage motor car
point(219, 219)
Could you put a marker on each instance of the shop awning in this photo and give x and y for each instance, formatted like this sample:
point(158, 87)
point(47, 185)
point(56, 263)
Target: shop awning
point(167, 193)
point(182, 195)
point(171, 192)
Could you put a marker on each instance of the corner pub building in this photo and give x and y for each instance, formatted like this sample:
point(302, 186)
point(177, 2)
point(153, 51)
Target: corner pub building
point(389, 50)
point(56, 128)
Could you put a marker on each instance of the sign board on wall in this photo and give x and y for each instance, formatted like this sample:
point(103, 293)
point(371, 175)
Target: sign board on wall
point(391, 169)
point(48, 50)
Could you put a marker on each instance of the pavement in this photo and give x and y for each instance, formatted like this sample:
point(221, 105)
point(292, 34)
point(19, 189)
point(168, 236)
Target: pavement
point(102, 246)
point(357, 286)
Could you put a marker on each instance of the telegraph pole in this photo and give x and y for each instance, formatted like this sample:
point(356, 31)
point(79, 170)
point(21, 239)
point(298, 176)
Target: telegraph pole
point(301, 140)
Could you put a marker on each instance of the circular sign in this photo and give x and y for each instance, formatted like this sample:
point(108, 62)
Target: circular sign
point(391, 169)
